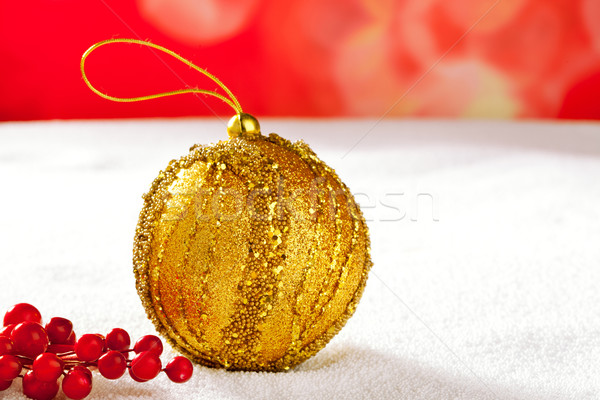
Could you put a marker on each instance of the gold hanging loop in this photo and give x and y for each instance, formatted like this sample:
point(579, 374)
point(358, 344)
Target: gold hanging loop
point(231, 100)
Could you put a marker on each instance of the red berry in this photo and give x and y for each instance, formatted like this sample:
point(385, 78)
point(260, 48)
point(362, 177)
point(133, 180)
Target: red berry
point(84, 370)
point(72, 338)
point(10, 367)
point(48, 367)
point(38, 390)
point(146, 365)
point(22, 312)
point(5, 385)
point(105, 347)
point(149, 343)
point(6, 331)
point(118, 339)
point(112, 364)
point(179, 369)
point(59, 330)
point(89, 347)
point(6, 346)
point(77, 384)
point(135, 378)
point(30, 339)
point(59, 348)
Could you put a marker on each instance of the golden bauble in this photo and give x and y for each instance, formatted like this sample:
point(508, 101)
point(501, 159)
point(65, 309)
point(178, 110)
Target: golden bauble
point(250, 254)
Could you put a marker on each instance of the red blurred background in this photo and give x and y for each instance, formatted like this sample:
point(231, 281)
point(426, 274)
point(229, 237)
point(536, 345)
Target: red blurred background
point(422, 58)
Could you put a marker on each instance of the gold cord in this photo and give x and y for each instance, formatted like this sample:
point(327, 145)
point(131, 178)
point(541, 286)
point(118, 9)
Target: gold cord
point(231, 101)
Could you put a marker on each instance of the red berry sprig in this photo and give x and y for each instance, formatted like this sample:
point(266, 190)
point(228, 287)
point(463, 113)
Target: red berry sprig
point(44, 355)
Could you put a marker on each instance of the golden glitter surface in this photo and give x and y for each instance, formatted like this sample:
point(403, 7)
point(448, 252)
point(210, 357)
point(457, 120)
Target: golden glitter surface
point(250, 254)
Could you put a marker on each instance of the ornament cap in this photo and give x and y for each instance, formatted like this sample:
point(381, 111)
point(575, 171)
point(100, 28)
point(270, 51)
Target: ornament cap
point(243, 124)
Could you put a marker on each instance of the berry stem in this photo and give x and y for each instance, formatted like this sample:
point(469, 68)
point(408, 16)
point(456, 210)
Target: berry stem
point(70, 357)
point(29, 360)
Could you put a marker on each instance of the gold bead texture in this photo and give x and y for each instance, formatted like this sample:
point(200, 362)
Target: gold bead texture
point(250, 254)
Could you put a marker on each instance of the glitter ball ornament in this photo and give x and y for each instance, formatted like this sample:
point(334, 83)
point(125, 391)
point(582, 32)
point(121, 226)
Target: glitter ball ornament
point(249, 254)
